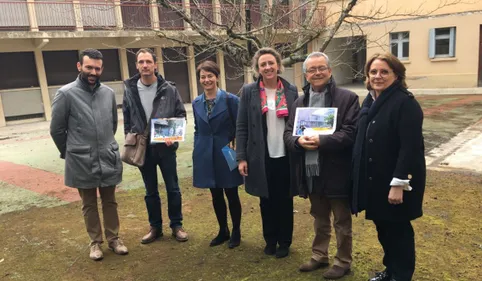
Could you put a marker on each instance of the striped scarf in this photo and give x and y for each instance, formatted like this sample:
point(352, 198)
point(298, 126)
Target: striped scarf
point(281, 105)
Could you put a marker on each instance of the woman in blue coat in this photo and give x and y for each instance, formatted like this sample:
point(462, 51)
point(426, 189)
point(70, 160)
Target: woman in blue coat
point(215, 113)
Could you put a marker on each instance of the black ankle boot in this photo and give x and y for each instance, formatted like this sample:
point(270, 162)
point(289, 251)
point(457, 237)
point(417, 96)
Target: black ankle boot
point(235, 239)
point(222, 237)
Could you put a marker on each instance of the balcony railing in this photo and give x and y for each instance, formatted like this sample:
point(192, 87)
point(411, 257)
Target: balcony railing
point(20, 15)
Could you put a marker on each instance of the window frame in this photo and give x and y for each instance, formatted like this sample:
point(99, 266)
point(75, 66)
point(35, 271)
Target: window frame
point(433, 42)
point(399, 41)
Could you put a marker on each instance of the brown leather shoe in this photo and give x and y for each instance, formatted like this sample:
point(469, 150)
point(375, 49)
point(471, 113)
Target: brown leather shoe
point(312, 265)
point(118, 247)
point(180, 234)
point(153, 234)
point(336, 272)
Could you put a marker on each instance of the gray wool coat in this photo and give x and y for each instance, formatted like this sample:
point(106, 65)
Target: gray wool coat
point(84, 122)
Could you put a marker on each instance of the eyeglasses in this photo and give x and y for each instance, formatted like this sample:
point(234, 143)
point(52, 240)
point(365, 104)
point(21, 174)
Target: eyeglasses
point(382, 72)
point(314, 70)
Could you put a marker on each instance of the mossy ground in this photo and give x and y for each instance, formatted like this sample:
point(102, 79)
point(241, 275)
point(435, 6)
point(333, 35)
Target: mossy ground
point(51, 243)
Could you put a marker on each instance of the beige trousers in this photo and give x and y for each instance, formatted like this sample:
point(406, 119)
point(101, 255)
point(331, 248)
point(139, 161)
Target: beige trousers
point(91, 213)
point(321, 209)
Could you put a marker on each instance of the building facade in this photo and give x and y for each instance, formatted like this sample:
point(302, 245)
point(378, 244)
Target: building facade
point(440, 42)
point(40, 42)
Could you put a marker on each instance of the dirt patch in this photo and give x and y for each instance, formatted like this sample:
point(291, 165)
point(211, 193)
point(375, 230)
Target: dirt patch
point(36, 180)
point(451, 105)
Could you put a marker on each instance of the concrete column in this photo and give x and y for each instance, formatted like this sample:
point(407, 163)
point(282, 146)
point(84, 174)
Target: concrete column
point(32, 15)
point(191, 69)
point(298, 75)
point(154, 11)
point(187, 7)
point(123, 64)
point(44, 89)
point(160, 60)
point(3, 123)
point(217, 11)
point(118, 14)
point(248, 75)
point(243, 15)
point(79, 25)
point(222, 75)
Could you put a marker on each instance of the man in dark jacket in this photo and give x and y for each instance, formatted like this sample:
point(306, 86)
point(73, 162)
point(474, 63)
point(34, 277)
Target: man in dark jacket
point(84, 122)
point(320, 165)
point(147, 95)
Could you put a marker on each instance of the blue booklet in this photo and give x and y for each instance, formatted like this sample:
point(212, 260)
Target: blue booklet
point(230, 156)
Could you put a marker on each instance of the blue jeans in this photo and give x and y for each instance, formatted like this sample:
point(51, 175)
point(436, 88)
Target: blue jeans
point(168, 165)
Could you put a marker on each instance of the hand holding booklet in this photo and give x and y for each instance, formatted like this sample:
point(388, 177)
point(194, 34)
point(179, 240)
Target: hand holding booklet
point(167, 129)
point(314, 121)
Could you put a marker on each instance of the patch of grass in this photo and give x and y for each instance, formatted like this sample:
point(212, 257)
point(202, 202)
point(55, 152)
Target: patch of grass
point(51, 243)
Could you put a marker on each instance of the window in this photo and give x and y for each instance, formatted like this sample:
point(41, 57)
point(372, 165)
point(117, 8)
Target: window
point(61, 66)
point(399, 44)
point(442, 42)
point(21, 71)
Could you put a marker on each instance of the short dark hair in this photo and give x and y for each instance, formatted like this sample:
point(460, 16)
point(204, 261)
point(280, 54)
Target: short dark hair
point(91, 53)
point(208, 66)
point(148, 51)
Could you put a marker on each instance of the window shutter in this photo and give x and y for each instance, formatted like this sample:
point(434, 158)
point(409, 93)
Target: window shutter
point(452, 42)
point(431, 43)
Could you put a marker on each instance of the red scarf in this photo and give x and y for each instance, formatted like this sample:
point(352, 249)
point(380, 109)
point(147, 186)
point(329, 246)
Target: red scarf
point(280, 100)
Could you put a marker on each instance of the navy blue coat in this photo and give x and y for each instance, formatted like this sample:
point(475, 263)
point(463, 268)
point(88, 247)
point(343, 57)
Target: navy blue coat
point(211, 134)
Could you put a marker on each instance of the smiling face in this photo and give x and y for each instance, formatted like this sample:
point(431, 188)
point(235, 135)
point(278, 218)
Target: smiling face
point(318, 73)
point(90, 70)
point(268, 67)
point(380, 76)
point(208, 80)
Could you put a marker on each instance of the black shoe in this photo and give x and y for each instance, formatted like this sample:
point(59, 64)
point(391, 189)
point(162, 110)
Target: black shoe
point(381, 276)
point(270, 250)
point(222, 237)
point(282, 252)
point(235, 239)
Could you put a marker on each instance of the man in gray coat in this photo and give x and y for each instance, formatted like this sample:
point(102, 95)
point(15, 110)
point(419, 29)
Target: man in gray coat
point(84, 122)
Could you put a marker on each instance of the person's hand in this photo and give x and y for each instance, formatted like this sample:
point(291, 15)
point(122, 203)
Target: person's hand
point(230, 145)
point(315, 140)
point(243, 168)
point(307, 143)
point(395, 196)
point(168, 142)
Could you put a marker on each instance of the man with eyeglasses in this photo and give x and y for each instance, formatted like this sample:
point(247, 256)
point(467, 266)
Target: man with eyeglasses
point(83, 126)
point(322, 165)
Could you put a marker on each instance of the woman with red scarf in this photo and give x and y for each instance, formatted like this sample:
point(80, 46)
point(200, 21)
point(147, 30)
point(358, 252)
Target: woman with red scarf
point(261, 153)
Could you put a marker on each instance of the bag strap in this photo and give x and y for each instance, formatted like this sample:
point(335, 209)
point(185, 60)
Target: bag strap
point(231, 118)
point(154, 108)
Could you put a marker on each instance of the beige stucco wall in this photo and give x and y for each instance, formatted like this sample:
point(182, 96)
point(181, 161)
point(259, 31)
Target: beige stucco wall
point(423, 72)
point(460, 71)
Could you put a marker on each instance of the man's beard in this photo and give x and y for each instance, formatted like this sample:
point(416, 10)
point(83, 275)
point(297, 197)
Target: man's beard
point(84, 76)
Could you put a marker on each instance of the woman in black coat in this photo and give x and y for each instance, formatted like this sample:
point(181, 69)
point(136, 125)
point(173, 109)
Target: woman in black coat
point(260, 150)
point(389, 164)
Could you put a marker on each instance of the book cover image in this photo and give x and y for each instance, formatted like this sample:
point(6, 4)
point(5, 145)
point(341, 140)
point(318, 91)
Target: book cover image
point(168, 129)
point(313, 121)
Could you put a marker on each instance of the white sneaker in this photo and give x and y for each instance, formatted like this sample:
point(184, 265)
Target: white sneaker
point(118, 247)
point(96, 252)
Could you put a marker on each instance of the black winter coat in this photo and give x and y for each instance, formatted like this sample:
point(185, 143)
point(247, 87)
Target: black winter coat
point(251, 132)
point(389, 144)
point(335, 150)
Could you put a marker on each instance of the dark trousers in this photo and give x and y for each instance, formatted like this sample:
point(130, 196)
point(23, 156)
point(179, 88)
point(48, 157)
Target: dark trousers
point(398, 242)
point(168, 165)
point(220, 207)
point(277, 209)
